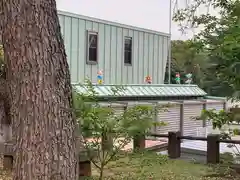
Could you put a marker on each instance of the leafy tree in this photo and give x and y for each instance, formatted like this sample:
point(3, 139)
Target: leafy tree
point(186, 58)
point(174, 70)
point(219, 38)
point(106, 132)
point(177, 62)
point(39, 91)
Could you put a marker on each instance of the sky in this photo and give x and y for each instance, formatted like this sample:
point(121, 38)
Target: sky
point(150, 14)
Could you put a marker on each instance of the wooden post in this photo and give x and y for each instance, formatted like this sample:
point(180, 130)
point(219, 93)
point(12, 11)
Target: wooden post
point(85, 169)
point(107, 142)
point(213, 153)
point(204, 121)
point(174, 145)
point(181, 117)
point(155, 119)
point(8, 162)
point(139, 142)
point(84, 164)
point(225, 105)
point(1, 155)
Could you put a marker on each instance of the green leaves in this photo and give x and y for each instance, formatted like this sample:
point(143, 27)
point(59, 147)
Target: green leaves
point(218, 119)
point(187, 58)
point(137, 119)
point(220, 40)
point(226, 51)
point(222, 121)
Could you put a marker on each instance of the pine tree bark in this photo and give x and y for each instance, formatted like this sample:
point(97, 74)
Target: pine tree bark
point(39, 90)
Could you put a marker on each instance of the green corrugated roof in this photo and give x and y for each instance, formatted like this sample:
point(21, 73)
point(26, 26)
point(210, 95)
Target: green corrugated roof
point(216, 98)
point(148, 90)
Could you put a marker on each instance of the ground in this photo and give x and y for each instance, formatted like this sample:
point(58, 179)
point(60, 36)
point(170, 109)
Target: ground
point(150, 166)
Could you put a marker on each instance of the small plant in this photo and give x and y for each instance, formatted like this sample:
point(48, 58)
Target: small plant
point(105, 132)
point(218, 119)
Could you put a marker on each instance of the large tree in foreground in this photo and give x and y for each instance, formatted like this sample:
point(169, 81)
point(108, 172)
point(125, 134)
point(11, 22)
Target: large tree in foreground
point(39, 91)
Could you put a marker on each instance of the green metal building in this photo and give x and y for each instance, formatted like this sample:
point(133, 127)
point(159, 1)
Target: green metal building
point(125, 54)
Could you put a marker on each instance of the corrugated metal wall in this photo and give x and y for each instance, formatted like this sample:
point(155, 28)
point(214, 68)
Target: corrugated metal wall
point(216, 105)
point(171, 117)
point(192, 110)
point(149, 51)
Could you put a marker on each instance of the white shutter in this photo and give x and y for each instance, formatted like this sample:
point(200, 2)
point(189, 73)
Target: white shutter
point(171, 117)
point(202, 132)
point(191, 126)
point(214, 105)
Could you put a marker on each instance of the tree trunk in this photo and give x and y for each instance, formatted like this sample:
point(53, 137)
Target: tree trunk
point(5, 134)
point(4, 102)
point(39, 90)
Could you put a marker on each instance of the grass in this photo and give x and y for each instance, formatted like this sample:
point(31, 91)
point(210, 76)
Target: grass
point(5, 175)
point(150, 166)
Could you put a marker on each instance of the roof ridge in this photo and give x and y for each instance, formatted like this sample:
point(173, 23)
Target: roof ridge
point(146, 90)
point(145, 85)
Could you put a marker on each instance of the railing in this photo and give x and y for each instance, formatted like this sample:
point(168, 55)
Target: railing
point(174, 144)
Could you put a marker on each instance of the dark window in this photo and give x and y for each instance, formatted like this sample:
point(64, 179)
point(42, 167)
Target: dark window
point(92, 54)
point(128, 50)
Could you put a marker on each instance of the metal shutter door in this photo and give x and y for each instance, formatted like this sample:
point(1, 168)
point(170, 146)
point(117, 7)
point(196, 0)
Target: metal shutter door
point(171, 117)
point(191, 126)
